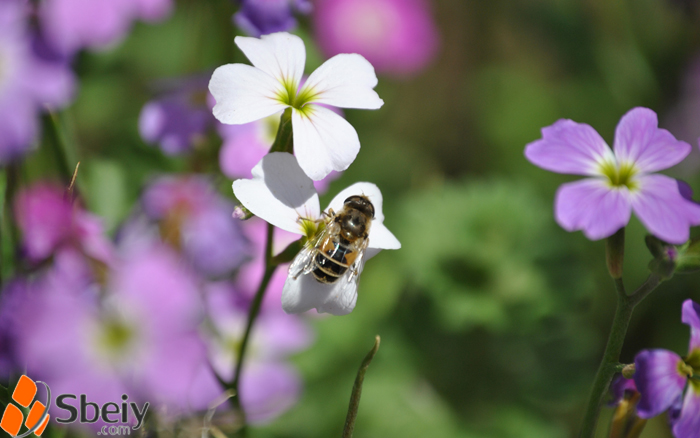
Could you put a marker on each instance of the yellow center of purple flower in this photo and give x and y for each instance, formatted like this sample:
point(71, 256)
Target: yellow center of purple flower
point(685, 370)
point(619, 175)
point(115, 337)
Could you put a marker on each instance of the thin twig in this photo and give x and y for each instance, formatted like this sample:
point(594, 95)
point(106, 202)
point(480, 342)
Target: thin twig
point(357, 390)
point(252, 316)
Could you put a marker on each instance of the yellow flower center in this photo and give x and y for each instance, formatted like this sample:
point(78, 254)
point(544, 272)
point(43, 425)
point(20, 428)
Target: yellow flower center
point(620, 175)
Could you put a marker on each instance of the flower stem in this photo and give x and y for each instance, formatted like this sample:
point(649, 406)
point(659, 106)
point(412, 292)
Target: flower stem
point(270, 267)
point(357, 390)
point(284, 142)
point(608, 366)
point(623, 313)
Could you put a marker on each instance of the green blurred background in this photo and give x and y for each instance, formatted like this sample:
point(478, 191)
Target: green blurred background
point(492, 318)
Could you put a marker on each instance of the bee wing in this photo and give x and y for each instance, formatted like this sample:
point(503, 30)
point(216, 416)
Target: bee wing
point(354, 271)
point(303, 262)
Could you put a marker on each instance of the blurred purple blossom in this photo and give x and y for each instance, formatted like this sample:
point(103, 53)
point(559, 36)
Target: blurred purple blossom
point(662, 375)
point(139, 337)
point(72, 25)
point(194, 218)
point(29, 81)
point(269, 386)
point(50, 223)
point(178, 119)
point(398, 37)
point(261, 17)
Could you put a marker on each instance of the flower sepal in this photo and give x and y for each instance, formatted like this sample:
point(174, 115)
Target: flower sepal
point(670, 259)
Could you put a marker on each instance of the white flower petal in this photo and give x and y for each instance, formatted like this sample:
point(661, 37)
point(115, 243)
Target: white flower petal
point(323, 141)
point(379, 235)
point(281, 55)
point(346, 81)
point(306, 293)
point(244, 94)
point(381, 238)
point(280, 192)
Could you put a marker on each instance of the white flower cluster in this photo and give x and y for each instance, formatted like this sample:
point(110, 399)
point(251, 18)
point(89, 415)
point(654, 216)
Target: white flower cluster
point(281, 190)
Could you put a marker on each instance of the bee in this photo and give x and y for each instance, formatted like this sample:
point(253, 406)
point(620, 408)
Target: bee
point(339, 247)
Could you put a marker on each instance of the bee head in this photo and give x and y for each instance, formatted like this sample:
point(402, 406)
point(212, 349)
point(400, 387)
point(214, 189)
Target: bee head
point(361, 203)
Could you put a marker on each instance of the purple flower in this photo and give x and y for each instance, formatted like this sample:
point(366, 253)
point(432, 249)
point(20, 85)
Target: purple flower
point(621, 180)
point(178, 119)
point(75, 24)
point(28, 82)
point(398, 37)
point(139, 336)
point(50, 223)
point(269, 385)
point(261, 17)
point(661, 377)
point(194, 218)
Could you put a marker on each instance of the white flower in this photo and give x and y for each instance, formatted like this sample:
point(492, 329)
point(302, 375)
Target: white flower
point(281, 193)
point(323, 140)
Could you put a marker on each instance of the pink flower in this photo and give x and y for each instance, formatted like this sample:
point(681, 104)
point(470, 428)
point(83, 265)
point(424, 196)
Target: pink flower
point(397, 36)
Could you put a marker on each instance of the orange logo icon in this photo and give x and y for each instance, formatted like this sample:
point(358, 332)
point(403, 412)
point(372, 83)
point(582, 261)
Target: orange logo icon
point(38, 416)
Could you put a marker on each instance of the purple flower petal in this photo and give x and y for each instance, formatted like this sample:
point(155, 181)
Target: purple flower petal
point(262, 17)
point(658, 380)
point(662, 209)
point(592, 206)
point(691, 316)
point(173, 123)
point(619, 387)
point(639, 140)
point(688, 424)
point(268, 389)
point(569, 147)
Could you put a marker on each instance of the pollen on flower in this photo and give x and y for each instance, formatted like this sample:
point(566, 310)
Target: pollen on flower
point(621, 175)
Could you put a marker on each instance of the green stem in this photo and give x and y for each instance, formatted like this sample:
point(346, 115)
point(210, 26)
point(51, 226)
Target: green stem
point(611, 357)
point(65, 150)
point(284, 142)
point(608, 366)
point(357, 390)
point(270, 267)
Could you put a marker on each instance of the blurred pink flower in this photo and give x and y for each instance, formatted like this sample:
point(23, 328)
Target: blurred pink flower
point(398, 37)
point(50, 223)
point(72, 25)
point(140, 337)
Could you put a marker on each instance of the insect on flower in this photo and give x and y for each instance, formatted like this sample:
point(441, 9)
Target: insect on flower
point(325, 274)
point(338, 249)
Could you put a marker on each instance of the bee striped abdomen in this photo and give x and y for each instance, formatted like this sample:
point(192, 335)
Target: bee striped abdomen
point(332, 261)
